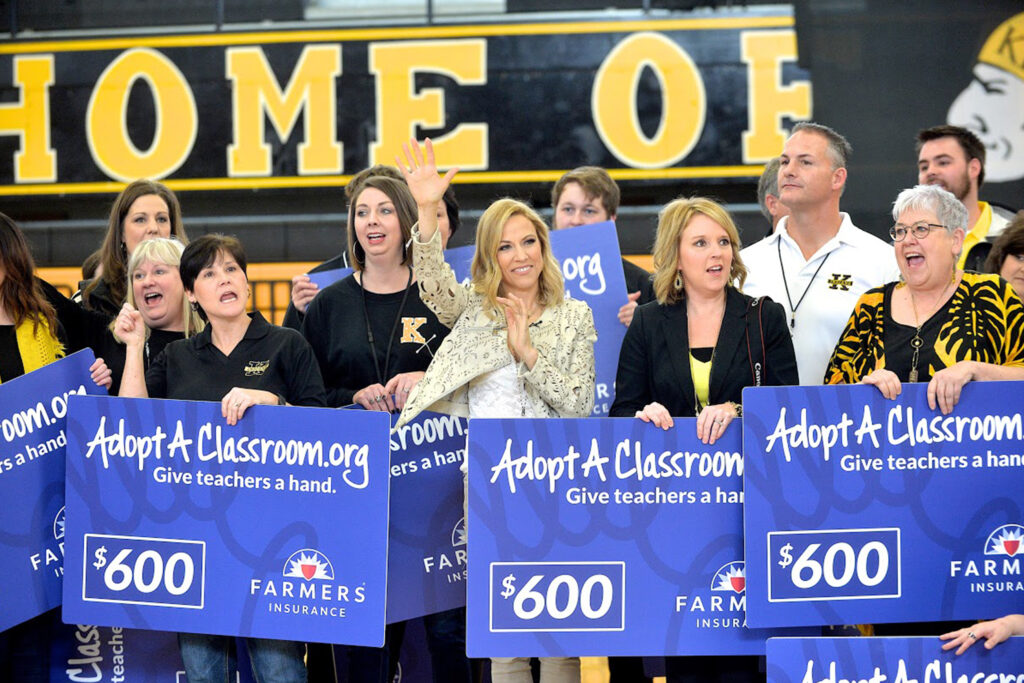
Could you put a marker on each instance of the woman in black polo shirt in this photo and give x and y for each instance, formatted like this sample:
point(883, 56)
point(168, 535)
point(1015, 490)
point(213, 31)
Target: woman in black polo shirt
point(240, 361)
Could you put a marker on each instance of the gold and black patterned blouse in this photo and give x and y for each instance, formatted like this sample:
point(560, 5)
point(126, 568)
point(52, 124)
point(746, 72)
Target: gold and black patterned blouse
point(983, 321)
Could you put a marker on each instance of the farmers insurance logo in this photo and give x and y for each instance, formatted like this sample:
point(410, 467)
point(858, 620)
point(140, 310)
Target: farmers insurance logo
point(307, 588)
point(58, 525)
point(309, 564)
point(453, 562)
point(731, 578)
point(1006, 540)
point(999, 569)
point(52, 556)
point(725, 605)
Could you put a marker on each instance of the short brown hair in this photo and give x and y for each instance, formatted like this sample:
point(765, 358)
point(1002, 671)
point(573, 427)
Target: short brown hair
point(203, 252)
point(838, 148)
point(354, 185)
point(969, 143)
point(1009, 243)
point(595, 182)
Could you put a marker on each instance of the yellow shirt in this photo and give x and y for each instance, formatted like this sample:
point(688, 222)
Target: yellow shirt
point(978, 233)
point(701, 373)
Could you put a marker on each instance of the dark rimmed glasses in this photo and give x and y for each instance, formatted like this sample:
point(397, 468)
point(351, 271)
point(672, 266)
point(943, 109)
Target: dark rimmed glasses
point(898, 232)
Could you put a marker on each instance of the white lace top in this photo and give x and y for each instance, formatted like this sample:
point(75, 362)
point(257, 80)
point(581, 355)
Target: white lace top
point(499, 393)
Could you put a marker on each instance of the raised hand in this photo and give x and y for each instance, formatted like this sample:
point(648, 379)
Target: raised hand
point(420, 171)
point(130, 327)
point(303, 291)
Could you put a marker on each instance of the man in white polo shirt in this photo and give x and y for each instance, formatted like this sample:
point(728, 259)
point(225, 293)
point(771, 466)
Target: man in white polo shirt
point(817, 263)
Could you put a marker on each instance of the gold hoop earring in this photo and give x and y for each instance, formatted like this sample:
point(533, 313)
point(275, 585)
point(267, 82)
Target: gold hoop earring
point(679, 280)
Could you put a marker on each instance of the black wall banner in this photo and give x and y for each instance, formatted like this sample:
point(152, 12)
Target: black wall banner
point(884, 70)
point(698, 98)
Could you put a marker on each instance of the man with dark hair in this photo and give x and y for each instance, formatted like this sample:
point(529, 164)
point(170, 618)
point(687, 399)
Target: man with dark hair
point(954, 158)
point(817, 263)
point(588, 195)
point(768, 194)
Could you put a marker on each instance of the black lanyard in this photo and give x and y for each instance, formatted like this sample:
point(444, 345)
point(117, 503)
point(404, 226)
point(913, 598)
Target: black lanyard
point(394, 328)
point(792, 308)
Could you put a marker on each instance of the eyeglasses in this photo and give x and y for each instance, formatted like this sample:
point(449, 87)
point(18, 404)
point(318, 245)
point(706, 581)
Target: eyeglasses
point(898, 232)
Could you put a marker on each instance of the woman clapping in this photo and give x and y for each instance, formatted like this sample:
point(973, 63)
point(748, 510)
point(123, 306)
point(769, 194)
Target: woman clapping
point(517, 347)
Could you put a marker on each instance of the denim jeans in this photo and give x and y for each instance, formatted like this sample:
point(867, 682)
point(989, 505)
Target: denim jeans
point(212, 659)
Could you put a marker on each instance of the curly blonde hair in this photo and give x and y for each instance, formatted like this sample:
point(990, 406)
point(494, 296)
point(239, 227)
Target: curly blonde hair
point(672, 221)
point(485, 271)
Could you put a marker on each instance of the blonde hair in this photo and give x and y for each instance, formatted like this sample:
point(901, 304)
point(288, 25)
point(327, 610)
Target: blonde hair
point(672, 221)
point(168, 252)
point(485, 271)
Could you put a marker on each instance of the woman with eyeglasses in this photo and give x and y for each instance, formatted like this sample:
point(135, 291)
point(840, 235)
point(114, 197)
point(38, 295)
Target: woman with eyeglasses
point(938, 324)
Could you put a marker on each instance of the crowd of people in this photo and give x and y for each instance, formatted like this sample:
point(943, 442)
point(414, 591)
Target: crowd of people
point(168, 318)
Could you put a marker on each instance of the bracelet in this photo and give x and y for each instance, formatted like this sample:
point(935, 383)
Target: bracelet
point(281, 401)
point(738, 408)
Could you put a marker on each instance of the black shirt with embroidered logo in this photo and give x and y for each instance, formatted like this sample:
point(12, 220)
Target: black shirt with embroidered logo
point(335, 325)
point(268, 358)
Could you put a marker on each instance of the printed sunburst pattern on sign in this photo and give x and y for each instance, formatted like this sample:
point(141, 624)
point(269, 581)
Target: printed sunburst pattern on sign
point(309, 564)
point(1006, 540)
point(730, 578)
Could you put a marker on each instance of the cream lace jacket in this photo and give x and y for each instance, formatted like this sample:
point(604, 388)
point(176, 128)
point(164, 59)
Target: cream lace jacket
point(561, 383)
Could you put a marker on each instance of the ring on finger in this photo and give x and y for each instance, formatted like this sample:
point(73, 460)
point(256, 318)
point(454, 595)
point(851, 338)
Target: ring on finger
point(970, 634)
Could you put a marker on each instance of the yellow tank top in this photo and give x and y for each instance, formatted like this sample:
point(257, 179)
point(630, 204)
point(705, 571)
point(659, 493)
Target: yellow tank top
point(701, 373)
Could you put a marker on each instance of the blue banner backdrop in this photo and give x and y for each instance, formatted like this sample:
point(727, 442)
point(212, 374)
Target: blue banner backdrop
point(592, 269)
point(605, 537)
point(860, 509)
point(32, 428)
point(275, 528)
point(427, 539)
point(877, 660)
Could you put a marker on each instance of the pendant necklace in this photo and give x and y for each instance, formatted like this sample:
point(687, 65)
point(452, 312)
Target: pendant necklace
point(916, 342)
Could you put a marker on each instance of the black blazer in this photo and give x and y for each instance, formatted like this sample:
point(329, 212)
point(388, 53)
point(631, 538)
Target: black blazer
point(654, 363)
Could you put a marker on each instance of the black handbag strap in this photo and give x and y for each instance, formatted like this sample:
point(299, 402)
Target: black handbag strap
point(755, 340)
